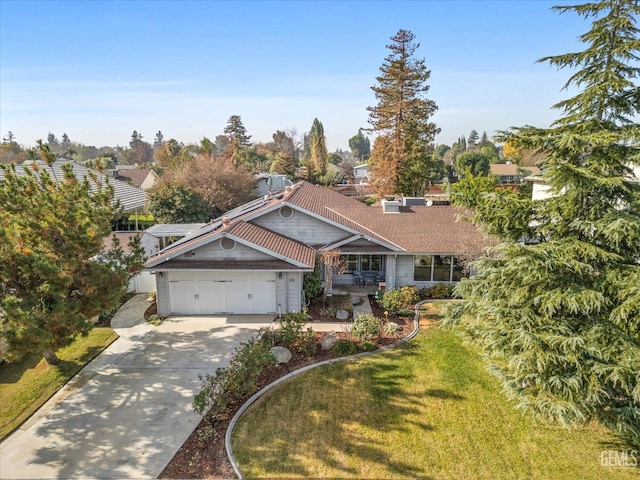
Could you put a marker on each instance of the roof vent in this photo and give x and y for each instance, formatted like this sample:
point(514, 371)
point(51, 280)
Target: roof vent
point(413, 201)
point(225, 221)
point(390, 206)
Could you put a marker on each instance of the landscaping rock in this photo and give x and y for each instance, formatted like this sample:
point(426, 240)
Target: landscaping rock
point(329, 340)
point(281, 354)
point(342, 314)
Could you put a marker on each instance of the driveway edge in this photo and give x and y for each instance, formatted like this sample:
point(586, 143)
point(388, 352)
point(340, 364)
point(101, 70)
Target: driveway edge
point(260, 393)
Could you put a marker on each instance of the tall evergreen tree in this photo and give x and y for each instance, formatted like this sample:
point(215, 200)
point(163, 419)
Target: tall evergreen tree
point(559, 317)
point(403, 112)
point(318, 158)
point(286, 155)
point(472, 141)
point(238, 138)
point(360, 146)
point(158, 141)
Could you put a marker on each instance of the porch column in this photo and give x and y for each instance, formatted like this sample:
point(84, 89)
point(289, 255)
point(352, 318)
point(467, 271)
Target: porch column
point(390, 272)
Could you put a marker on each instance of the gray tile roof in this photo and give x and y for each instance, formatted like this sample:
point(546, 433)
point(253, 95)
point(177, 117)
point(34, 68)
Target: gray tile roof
point(131, 198)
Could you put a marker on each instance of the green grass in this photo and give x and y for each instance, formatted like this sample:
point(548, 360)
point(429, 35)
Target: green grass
point(26, 385)
point(427, 409)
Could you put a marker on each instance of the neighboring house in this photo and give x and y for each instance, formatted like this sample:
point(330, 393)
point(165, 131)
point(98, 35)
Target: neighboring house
point(541, 189)
point(143, 282)
point(510, 173)
point(132, 199)
point(143, 178)
point(361, 173)
point(252, 260)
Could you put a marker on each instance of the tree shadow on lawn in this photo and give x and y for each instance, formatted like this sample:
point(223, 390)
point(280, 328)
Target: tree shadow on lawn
point(11, 372)
point(311, 421)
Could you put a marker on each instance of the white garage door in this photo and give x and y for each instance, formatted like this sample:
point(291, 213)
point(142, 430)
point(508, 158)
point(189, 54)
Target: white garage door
point(222, 292)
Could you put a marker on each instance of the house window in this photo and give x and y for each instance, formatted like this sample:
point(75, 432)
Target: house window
point(422, 268)
point(351, 262)
point(437, 268)
point(442, 268)
point(363, 263)
point(458, 270)
point(286, 211)
point(371, 263)
point(227, 244)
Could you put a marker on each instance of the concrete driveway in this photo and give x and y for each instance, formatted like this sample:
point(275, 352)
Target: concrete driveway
point(128, 412)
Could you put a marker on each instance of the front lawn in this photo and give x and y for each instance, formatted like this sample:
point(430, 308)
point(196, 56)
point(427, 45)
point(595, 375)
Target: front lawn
point(26, 385)
point(427, 409)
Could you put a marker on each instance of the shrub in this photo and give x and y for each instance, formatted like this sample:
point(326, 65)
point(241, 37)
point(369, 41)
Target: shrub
point(290, 334)
point(237, 381)
point(400, 298)
point(425, 293)
point(289, 328)
point(344, 348)
point(307, 343)
point(390, 329)
point(442, 290)
point(312, 284)
point(366, 326)
point(367, 346)
point(439, 290)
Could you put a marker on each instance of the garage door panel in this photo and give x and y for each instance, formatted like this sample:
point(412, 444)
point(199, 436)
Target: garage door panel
point(222, 292)
point(238, 297)
point(263, 296)
point(183, 297)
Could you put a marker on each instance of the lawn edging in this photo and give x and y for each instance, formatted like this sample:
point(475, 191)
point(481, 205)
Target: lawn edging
point(260, 393)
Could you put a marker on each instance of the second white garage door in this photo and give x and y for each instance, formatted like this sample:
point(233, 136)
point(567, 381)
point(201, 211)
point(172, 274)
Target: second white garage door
point(222, 292)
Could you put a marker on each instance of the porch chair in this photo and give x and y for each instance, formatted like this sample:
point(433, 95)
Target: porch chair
point(358, 278)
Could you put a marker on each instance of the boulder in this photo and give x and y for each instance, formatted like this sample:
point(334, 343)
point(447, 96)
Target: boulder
point(342, 314)
point(329, 340)
point(281, 354)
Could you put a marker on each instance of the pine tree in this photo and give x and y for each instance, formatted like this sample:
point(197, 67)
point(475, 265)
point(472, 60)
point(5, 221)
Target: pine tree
point(360, 146)
point(286, 155)
point(51, 230)
point(472, 142)
point(403, 111)
point(559, 316)
point(239, 140)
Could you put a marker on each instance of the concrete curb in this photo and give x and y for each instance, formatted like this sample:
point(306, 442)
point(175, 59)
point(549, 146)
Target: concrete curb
point(260, 393)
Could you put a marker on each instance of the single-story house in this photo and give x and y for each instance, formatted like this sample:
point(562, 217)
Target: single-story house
point(253, 259)
point(510, 173)
point(143, 178)
point(361, 173)
point(130, 198)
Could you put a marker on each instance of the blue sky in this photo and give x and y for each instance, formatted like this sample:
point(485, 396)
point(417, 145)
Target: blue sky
point(99, 70)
